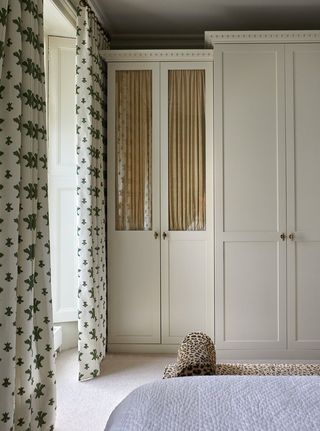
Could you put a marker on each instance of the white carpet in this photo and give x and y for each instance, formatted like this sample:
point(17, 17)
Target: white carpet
point(86, 406)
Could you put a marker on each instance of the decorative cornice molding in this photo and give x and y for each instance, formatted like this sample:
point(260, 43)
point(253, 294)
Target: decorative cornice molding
point(157, 55)
point(289, 36)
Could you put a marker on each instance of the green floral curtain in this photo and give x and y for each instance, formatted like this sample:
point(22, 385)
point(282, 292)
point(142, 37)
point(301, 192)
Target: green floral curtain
point(91, 148)
point(27, 380)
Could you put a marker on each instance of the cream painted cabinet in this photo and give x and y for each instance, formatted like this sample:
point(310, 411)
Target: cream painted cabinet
point(267, 188)
point(160, 197)
point(213, 194)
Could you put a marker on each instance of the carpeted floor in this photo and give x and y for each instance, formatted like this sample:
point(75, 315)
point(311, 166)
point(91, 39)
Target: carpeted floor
point(86, 406)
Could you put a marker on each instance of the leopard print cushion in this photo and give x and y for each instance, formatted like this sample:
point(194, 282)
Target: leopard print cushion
point(197, 356)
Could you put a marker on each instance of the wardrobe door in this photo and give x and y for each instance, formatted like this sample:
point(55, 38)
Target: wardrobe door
point(303, 152)
point(250, 204)
point(186, 200)
point(133, 203)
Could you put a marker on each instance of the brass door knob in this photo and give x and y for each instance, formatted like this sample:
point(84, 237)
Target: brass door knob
point(292, 237)
point(283, 236)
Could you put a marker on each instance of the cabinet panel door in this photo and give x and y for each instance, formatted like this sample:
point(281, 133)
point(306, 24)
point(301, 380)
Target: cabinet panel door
point(250, 204)
point(251, 291)
point(186, 200)
point(133, 203)
point(303, 153)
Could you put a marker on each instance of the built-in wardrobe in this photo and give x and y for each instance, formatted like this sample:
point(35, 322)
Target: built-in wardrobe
point(160, 197)
point(214, 196)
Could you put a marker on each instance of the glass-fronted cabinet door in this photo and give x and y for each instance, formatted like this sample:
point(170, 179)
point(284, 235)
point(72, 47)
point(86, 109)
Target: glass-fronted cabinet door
point(133, 203)
point(186, 199)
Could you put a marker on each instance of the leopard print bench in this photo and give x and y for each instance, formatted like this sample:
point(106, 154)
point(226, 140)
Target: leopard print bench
point(197, 357)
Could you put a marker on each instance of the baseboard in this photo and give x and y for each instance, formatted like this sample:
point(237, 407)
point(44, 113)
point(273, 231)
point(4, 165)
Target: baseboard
point(142, 348)
point(225, 355)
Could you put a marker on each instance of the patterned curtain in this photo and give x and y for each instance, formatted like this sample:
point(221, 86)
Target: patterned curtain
point(91, 147)
point(27, 381)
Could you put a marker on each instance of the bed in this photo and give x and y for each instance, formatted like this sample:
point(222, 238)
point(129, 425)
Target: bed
point(222, 403)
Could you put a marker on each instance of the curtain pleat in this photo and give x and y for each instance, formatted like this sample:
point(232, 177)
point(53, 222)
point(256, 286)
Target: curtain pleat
point(27, 390)
point(134, 150)
point(187, 208)
point(91, 217)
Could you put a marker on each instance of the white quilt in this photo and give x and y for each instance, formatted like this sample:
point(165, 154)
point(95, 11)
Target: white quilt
point(222, 403)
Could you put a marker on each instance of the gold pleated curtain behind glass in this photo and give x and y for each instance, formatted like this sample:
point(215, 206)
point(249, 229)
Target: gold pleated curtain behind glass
point(134, 150)
point(187, 174)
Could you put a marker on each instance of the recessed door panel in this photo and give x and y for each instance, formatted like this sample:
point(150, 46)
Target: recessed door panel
point(251, 292)
point(187, 281)
point(63, 198)
point(134, 293)
point(308, 291)
point(251, 139)
point(306, 87)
